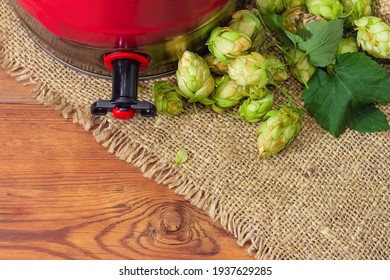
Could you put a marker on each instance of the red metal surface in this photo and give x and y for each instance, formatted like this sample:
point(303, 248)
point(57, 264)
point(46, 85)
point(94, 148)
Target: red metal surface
point(120, 23)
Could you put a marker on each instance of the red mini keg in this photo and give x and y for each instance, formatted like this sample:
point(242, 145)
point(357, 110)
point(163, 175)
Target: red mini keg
point(122, 40)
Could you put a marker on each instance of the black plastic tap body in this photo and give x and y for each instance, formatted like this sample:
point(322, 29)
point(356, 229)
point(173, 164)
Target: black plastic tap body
point(124, 82)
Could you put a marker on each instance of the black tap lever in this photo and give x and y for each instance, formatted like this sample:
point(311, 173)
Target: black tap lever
point(124, 100)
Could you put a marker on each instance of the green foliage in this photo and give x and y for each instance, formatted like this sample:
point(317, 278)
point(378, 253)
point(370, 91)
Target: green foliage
point(319, 39)
point(346, 97)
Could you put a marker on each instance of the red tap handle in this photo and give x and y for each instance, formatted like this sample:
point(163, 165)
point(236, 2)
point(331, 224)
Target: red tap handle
point(142, 60)
point(123, 114)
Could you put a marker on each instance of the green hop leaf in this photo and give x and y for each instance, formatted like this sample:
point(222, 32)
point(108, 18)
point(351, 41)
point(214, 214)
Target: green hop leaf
point(181, 156)
point(340, 99)
point(318, 39)
point(323, 41)
point(288, 38)
point(370, 119)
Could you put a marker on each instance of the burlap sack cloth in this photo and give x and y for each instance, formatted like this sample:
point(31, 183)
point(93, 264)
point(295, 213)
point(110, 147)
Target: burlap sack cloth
point(322, 198)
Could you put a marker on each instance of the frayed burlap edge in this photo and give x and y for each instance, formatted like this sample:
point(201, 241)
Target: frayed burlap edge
point(109, 137)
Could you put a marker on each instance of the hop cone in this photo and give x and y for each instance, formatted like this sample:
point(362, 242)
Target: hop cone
point(248, 23)
point(356, 9)
point(278, 130)
point(167, 99)
point(329, 9)
point(300, 66)
point(254, 110)
point(194, 78)
point(255, 92)
point(270, 6)
point(225, 43)
point(297, 17)
point(216, 66)
point(373, 36)
point(249, 70)
point(347, 45)
point(227, 94)
point(276, 70)
point(288, 4)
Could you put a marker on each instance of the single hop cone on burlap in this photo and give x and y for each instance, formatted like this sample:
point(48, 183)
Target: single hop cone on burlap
point(278, 130)
point(167, 98)
point(373, 36)
point(253, 110)
point(227, 94)
point(248, 23)
point(226, 44)
point(194, 78)
point(249, 70)
point(329, 9)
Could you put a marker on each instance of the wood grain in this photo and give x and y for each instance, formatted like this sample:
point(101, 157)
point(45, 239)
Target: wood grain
point(63, 196)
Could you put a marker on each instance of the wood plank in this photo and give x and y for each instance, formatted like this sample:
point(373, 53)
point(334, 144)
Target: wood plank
point(12, 92)
point(63, 196)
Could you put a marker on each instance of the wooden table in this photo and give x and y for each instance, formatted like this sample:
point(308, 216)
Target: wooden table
point(63, 196)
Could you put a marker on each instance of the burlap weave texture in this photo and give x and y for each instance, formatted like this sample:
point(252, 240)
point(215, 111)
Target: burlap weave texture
point(322, 198)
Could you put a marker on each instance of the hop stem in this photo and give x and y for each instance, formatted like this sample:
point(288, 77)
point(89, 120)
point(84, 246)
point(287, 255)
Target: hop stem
point(195, 109)
point(234, 116)
point(284, 92)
